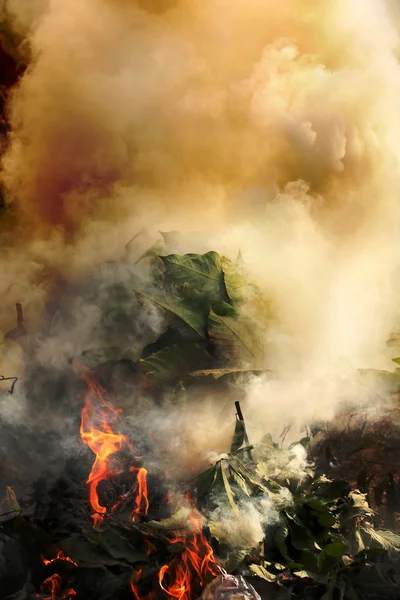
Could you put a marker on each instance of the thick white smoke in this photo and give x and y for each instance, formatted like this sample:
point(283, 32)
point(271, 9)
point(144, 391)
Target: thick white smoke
point(272, 127)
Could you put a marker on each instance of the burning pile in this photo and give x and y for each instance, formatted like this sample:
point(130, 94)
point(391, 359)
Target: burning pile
point(176, 579)
point(260, 511)
point(275, 128)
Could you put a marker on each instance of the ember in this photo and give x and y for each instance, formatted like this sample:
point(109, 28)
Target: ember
point(60, 556)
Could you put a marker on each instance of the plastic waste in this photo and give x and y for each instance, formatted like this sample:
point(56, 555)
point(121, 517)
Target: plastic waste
point(229, 587)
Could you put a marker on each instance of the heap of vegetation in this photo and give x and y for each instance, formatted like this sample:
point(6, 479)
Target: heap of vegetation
point(324, 540)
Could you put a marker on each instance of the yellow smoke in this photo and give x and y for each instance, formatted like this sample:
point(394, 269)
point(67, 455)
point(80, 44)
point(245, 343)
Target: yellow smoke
point(271, 127)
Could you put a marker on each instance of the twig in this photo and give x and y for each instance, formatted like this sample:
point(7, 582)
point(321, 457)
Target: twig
point(11, 512)
point(284, 434)
point(133, 239)
point(239, 415)
point(13, 379)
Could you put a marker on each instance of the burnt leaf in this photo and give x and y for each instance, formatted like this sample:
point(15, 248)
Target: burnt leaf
point(118, 547)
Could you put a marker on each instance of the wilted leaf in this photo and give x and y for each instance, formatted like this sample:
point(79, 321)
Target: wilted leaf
point(239, 480)
point(218, 373)
point(9, 505)
point(205, 481)
point(86, 552)
point(262, 572)
point(178, 520)
point(235, 559)
point(225, 478)
point(380, 538)
point(118, 547)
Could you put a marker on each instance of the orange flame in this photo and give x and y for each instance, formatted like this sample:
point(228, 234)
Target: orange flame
point(150, 547)
point(196, 560)
point(60, 556)
point(142, 496)
point(97, 433)
point(54, 583)
point(134, 581)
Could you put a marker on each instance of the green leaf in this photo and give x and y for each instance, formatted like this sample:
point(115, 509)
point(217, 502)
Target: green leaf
point(234, 339)
point(396, 360)
point(190, 315)
point(235, 280)
point(320, 510)
point(330, 556)
point(203, 272)
point(175, 362)
point(280, 540)
point(300, 537)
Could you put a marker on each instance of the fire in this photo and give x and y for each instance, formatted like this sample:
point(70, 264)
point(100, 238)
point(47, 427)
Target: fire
point(97, 433)
point(134, 581)
point(150, 547)
point(57, 593)
point(60, 556)
point(196, 560)
point(142, 501)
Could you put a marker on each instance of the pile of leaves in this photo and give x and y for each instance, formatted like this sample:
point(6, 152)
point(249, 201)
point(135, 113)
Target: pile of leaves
point(212, 318)
point(319, 537)
point(324, 542)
